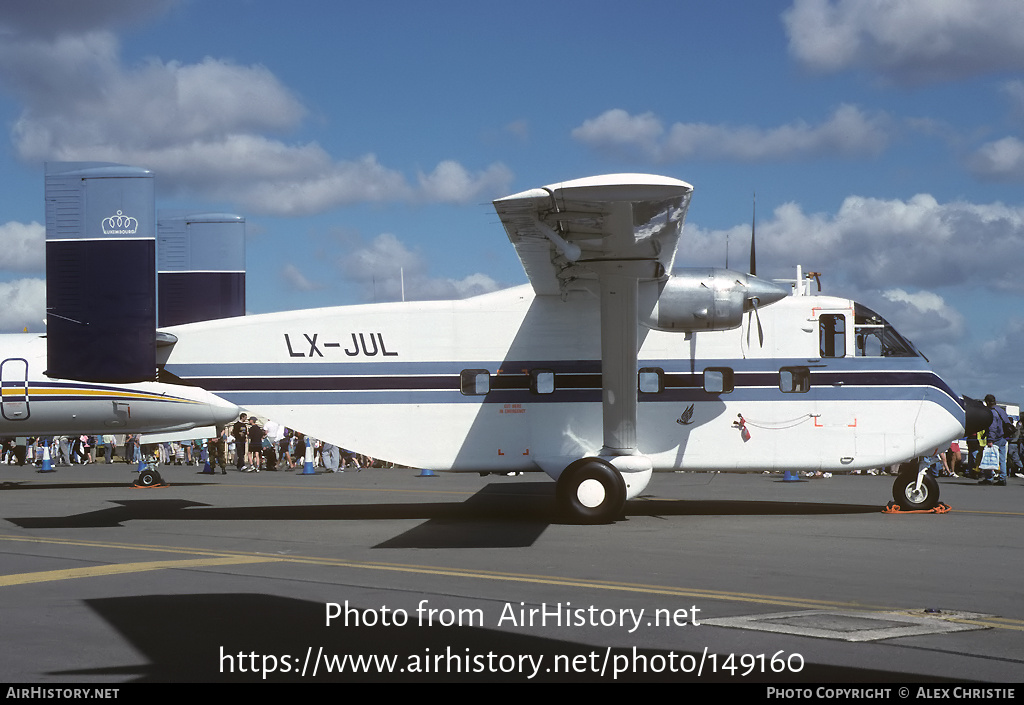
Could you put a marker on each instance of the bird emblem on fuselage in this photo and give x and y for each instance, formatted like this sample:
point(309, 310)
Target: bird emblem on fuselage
point(686, 418)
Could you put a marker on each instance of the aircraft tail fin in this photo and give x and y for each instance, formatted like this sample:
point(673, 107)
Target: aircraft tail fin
point(100, 272)
point(102, 283)
point(201, 273)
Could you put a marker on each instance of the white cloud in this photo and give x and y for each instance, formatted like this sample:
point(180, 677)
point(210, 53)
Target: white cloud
point(296, 280)
point(848, 132)
point(520, 129)
point(22, 247)
point(383, 266)
point(451, 183)
point(1014, 90)
point(24, 305)
point(877, 244)
point(908, 41)
point(618, 131)
point(995, 366)
point(55, 17)
point(203, 128)
point(924, 317)
point(896, 256)
point(1002, 160)
point(1002, 351)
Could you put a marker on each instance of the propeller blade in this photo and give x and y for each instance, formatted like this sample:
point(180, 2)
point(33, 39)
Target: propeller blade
point(753, 222)
point(757, 317)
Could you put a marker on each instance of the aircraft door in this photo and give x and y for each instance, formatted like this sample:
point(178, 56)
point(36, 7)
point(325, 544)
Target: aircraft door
point(836, 417)
point(14, 389)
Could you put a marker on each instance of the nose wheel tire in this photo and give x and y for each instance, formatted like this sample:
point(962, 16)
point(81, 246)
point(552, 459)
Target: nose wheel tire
point(911, 498)
point(591, 491)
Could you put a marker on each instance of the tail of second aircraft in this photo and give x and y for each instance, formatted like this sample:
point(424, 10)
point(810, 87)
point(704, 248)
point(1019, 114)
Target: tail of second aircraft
point(102, 285)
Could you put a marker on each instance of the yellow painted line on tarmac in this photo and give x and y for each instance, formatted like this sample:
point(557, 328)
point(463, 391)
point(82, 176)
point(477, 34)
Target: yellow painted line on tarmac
point(991, 622)
point(240, 558)
point(983, 511)
point(46, 576)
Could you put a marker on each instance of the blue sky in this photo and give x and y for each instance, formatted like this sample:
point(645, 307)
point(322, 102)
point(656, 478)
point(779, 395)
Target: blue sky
point(884, 140)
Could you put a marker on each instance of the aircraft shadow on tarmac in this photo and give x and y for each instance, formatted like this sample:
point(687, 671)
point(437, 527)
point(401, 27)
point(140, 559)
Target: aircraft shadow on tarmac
point(498, 515)
point(35, 487)
point(210, 637)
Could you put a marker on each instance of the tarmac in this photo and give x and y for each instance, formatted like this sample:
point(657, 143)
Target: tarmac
point(383, 576)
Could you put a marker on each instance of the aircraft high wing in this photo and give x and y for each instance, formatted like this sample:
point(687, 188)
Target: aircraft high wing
point(567, 231)
point(621, 230)
point(609, 365)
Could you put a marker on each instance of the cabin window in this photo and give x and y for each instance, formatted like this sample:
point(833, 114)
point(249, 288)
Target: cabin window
point(542, 381)
point(718, 380)
point(651, 380)
point(475, 382)
point(832, 334)
point(794, 379)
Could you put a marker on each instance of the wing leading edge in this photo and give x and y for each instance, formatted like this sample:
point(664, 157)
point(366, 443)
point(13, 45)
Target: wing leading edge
point(568, 231)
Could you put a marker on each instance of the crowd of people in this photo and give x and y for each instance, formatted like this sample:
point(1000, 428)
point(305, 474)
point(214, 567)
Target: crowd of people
point(991, 455)
point(247, 446)
point(250, 447)
point(70, 450)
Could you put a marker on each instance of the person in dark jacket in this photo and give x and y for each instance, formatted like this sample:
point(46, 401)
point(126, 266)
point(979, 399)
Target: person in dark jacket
point(997, 434)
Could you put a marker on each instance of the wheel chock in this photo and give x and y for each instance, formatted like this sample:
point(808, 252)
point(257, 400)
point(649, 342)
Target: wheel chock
point(894, 508)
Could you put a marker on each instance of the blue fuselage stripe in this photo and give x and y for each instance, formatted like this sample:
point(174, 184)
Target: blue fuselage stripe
point(416, 383)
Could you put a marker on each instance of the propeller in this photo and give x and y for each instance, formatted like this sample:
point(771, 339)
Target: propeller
point(753, 221)
point(753, 272)
point(757, 317)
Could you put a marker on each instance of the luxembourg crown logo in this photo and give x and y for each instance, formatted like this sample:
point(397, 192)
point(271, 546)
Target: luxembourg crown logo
point(119, 224)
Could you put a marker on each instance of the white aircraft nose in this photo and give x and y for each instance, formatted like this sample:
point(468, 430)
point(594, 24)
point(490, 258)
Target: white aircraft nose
point(221, 412)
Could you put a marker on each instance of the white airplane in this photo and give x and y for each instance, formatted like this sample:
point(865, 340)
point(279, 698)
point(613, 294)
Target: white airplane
point(34, 404)
point(602, 370)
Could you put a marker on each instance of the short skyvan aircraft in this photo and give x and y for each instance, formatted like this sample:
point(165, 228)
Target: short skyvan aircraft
point(607, 367)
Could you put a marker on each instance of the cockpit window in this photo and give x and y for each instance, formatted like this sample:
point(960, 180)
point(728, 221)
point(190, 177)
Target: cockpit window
point(876, 338)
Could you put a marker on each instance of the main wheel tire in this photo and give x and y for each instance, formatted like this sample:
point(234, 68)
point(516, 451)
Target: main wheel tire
point(148, 478)
point(906, 494)
point(591, 491)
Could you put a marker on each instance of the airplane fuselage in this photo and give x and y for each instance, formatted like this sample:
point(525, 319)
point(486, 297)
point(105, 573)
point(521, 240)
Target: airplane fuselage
point(511, 381)
point(33, 404)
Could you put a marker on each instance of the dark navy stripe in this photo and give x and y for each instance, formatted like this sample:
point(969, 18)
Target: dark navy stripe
point(672, 381)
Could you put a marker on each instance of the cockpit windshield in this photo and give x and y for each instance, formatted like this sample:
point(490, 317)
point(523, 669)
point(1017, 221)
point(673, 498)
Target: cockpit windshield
point(876, 338)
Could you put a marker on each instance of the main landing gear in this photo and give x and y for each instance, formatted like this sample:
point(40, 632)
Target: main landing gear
point(914, 496)
point(591, 491)
point(149, 478)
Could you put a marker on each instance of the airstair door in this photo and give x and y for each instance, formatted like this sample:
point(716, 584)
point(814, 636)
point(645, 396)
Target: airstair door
point(14, 389)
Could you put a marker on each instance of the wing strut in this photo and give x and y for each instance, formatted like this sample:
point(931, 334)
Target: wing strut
point(619, 344)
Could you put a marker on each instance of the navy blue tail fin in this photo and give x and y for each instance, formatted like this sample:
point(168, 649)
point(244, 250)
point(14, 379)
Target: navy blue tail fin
point(201, 266)
point(100, 272)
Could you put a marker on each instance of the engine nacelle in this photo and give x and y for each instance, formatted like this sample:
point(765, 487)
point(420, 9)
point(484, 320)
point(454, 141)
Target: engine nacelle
point(709, 299)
